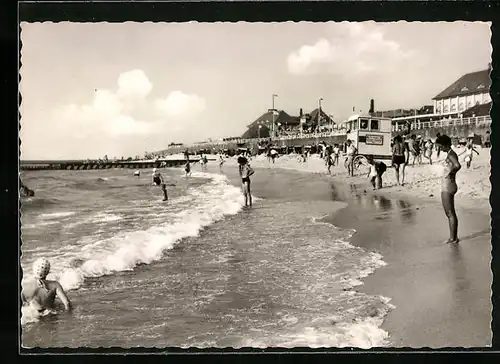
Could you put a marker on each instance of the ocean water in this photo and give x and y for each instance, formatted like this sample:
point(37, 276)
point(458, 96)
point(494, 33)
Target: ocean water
point(199, 270)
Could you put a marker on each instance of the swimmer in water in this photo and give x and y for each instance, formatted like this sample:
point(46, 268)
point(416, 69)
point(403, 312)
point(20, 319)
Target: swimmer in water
point(41, 293)
point(221, 162)
point(449, 187)
point(245, 172)
point(187, 168)
point(158, 181)
point(137, 173)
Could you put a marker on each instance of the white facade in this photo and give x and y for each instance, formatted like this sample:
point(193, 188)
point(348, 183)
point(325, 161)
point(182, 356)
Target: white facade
point(460, 103)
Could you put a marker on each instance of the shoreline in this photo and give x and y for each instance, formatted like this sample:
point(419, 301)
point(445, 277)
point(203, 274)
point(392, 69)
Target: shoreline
point(441, 293)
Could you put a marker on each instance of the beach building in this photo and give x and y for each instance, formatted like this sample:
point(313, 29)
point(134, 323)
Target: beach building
point(262, 127)
point(469, 90)
point(318, 120)
point(465, 104)
point(285, 124)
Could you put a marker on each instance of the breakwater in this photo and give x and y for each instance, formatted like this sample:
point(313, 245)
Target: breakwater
point(88, 165)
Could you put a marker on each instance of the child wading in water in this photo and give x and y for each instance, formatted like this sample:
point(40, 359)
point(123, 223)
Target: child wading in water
point(245, 172)
point(187, 168)
point(377, 169)
point(221, 162)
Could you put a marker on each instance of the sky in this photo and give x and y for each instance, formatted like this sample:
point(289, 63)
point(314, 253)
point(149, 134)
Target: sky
point(121, 89)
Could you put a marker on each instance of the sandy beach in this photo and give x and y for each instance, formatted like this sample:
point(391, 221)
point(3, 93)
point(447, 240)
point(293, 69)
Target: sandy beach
point(421, 181)
point(441, 293)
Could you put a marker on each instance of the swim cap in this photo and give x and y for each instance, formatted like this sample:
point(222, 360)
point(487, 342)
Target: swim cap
point(41, 268)
point(154, 169)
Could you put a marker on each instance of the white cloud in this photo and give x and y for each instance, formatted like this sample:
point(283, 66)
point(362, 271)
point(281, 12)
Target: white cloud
point(354, 49)
point(124, 113)
point(134, 84)
point(126, 125)
point(178, 104)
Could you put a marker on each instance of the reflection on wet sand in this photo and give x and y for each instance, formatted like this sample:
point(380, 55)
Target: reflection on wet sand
point(461, 282)
point(379, 203)
point(407, 212)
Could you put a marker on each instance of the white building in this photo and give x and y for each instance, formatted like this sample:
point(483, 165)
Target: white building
point(469, 90)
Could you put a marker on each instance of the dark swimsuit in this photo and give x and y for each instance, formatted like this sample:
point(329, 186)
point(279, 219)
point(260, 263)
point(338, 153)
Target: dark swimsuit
point(397, 158)
point(157, 180)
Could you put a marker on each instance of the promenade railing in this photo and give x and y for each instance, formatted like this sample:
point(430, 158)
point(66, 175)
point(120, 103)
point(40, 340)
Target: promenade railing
point(476, 120)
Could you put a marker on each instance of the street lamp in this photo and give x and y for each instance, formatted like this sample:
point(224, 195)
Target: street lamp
point(273, 111)
point(319, 109)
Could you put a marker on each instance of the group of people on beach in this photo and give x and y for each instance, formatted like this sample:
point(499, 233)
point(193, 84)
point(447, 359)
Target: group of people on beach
point(41, 293)
point(406, 152)
point(401, 152)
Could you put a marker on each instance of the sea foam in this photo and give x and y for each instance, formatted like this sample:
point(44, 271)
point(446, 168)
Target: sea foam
point(125, 250)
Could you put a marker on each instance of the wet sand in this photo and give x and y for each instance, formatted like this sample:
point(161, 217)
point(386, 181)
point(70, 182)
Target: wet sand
point(442, 292)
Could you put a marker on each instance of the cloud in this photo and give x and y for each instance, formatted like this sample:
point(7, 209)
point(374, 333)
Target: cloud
point(134, 84)
point(353, 50)
point(178, 103)
point(127, 113)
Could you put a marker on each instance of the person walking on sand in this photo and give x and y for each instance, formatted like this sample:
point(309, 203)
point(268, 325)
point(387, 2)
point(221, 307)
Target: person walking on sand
point(428, 150)
point(245, 172)
point(377, 169)
point(274, 154)
point(419, 146)
point(336, 154)
point(449, 187)
point(400, 157)
point(469, 150)
point(41, 293)
point(329, 163)
point(413, 147)
point(438, 148)
point(350, 152)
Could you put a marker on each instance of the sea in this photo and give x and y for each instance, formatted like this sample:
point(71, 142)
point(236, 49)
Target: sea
point(199, 270)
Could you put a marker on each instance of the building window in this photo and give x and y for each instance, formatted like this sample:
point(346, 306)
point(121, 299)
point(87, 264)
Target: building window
point(374, 125)
point(363, 124)
point(464, 89)
point(477, 103)
point(438, 109)
point(453, 107)
point(461, 107)
point(445, 108)
point(469, 104)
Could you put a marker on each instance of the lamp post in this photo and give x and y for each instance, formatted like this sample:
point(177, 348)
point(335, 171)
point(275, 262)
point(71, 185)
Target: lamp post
point(319, 110)
point(273, 111)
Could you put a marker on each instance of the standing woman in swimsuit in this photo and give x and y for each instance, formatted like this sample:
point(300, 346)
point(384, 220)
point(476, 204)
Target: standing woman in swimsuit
point(400, 156)
point(449, 185)
point(245, 172)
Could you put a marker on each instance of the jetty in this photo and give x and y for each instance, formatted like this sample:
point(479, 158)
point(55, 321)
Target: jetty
point(31, 165)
